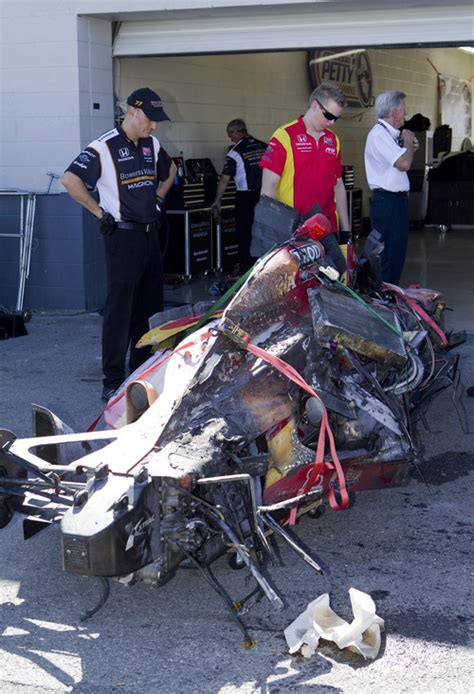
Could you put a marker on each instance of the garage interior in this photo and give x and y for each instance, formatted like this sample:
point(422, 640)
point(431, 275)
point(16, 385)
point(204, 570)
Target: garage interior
point(201, 93)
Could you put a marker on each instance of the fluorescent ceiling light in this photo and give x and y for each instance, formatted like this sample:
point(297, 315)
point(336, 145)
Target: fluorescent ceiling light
point(333, 56)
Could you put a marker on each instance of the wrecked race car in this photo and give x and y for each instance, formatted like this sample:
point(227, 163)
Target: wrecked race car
point(304, 391)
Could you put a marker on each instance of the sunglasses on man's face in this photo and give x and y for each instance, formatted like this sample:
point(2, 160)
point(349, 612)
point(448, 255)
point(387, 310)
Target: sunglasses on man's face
point(327, 114)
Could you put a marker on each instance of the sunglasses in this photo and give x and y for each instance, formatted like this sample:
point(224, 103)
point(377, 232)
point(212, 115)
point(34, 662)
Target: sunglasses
point(327, 114)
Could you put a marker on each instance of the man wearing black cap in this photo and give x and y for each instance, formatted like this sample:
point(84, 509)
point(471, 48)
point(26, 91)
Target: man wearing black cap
point(132, 174)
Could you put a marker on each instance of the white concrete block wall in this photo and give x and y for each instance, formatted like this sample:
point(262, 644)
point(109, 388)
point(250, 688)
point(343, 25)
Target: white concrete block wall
point(53, 67)
point(202, 93)
point(95, 79)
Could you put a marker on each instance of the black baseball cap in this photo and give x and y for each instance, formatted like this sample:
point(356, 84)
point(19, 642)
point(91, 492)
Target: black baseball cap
point(149, 102)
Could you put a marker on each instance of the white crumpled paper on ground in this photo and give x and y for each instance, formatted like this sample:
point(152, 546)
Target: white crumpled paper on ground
point(319, 621)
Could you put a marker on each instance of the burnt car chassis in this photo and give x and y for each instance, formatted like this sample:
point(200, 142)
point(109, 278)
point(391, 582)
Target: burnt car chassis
point(304, 392)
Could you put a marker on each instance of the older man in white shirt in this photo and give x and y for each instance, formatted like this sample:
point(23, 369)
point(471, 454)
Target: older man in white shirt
point(388, 157)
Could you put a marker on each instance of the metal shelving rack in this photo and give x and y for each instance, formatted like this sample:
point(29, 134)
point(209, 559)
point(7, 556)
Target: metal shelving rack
point(27, 201)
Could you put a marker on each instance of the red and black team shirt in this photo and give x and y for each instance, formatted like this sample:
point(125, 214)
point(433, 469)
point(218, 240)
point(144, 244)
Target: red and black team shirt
point(308, 168)
point(125, 175)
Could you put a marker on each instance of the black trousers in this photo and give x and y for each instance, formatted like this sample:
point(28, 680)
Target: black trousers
point(134, 293)
point(389, 216)
point(245, 201)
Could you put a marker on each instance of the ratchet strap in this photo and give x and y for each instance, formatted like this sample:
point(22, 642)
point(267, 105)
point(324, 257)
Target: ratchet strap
point(320, 465)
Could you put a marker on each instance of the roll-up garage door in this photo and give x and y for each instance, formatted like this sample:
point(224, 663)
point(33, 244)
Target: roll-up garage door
point(296, 26)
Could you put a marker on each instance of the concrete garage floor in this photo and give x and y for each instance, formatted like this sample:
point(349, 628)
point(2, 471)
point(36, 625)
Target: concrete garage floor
point(410, 548)
point(445, 261)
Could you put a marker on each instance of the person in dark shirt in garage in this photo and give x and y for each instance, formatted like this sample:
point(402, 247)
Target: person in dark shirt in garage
point(132, 173)
point(241, 164)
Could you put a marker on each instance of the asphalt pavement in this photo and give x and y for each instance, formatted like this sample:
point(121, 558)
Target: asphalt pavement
point(410, 548)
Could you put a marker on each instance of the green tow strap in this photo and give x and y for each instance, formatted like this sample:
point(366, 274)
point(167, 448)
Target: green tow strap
point(239, 282)
point(232, 290)
point(222, 299)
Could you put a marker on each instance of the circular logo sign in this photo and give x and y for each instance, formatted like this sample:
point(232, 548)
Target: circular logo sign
point(350, 69)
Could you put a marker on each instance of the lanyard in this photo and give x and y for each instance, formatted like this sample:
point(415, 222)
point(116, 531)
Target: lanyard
point(397, 139)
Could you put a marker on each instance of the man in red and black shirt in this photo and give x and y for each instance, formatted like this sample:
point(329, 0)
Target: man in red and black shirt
point(132, 174)
point(302, 164)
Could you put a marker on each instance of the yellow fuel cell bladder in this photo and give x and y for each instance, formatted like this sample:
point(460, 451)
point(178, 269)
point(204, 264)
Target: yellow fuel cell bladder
point(286, 451)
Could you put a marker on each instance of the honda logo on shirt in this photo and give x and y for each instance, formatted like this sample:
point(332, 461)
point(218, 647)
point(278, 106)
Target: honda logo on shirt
point(124, 152)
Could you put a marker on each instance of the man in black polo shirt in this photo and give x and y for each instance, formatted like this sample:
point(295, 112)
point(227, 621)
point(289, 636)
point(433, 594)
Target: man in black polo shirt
point(132, 174)
point(241, 163)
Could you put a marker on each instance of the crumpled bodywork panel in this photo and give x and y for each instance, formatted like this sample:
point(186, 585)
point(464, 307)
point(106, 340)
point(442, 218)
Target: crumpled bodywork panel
point(238, 398)
point(339, 318)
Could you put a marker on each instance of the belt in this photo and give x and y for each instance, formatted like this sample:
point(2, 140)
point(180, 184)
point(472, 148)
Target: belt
point(135, 226)
point(392, 192)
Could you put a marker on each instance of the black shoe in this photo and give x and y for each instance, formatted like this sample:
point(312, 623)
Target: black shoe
point(107, 393)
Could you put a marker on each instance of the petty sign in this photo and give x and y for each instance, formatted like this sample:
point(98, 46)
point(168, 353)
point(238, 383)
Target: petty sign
point(351, 71)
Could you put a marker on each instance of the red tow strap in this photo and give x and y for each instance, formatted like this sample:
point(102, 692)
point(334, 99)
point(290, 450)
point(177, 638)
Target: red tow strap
point(320, 465)
point(419, 310)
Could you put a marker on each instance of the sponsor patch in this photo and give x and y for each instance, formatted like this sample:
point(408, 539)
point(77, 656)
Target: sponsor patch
point(140, 528)
point(138, 184)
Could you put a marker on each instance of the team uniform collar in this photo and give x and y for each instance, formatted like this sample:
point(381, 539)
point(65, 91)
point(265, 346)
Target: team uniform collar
point(124, 134)
point(323, 132)
point(142, 140)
